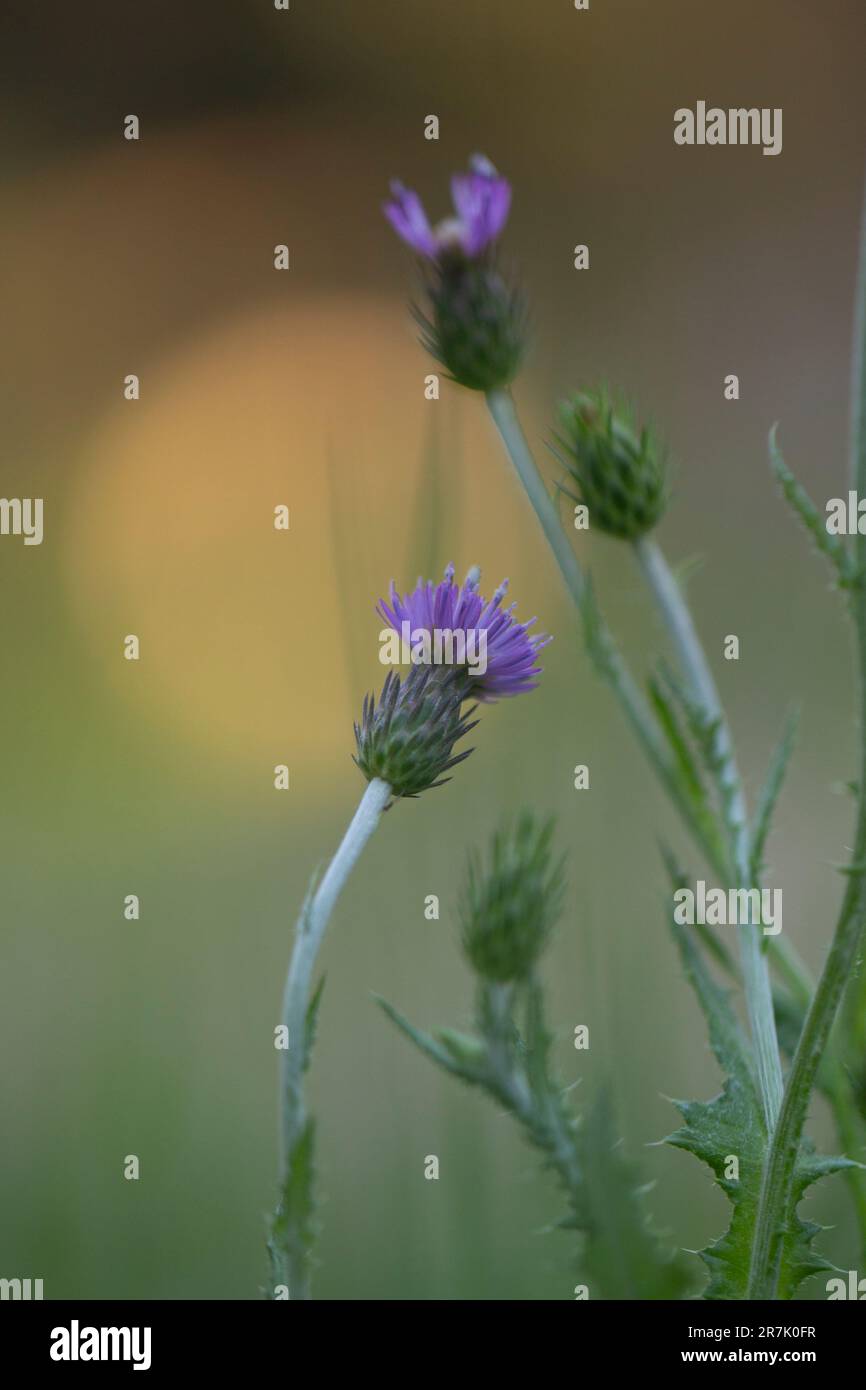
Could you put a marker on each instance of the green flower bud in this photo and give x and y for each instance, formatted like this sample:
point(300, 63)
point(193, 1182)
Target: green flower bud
point(619, 474)
point(477, 324)
point(508, 908)
point(407, 738)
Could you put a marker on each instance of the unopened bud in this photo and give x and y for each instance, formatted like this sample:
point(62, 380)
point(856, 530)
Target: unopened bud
point(619, 474)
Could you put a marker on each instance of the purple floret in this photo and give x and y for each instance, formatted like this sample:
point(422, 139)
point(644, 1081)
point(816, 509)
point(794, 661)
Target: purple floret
point(482, 199)
point(511, 652)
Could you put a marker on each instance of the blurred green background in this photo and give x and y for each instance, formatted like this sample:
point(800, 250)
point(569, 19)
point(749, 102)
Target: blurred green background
point(258, 388)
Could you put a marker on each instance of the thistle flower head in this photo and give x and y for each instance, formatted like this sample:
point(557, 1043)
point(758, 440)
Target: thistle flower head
point(476, 323)
point(620, 474)
point(407, 738)
point(509, 905)
point(474, 626)
point(481, 199)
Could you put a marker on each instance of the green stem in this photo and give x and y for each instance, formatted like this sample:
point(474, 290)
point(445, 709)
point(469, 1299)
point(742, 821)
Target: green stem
point(777, 1193)
point(851, 1134)
point(608, 659)
point(792, 970)
point(638, 713)
point(756, 977)
point(540, 1114)
point(309, 935)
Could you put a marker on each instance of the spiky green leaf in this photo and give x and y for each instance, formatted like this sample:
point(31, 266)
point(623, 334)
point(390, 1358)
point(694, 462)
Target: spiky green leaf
point(731, 1127)
point(687, 767)
point(832, 547)
point(770, 792)
point(293, 1230)
point(436, 1051)
point(311, 1020)
point(622, 1257)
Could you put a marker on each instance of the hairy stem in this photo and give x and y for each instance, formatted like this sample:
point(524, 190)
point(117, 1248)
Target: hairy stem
point(756, 978)
point(309, 935)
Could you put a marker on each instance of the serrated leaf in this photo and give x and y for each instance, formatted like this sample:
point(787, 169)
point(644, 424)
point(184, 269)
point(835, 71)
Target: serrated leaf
point(770, 792)
point(293, 1230)
point(682, 752)
point(622, 1257)
point(310, 1022)
point(798, 498)
point(707, 734)
point(424, 1042)
point(687, 768)
point(731, 1126)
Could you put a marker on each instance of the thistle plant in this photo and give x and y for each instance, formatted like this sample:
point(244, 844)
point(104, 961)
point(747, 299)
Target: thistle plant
point(405, 743)
point(617, 471)
point(509, 906)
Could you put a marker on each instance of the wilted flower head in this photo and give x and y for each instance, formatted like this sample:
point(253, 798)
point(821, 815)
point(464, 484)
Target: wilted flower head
point(448, 608)
point(620, 474)
point(407, 739)
point(476, 325)
point(481, 202)
point(509, 905)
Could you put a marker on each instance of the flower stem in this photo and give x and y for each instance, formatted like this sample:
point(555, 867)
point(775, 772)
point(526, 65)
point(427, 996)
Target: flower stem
point(756, 978)
point(777, 1191)
point(612, 666)
point(309, 935)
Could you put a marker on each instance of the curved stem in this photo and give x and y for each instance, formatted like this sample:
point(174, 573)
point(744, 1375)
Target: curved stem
point(756, 976)
point(310, 932)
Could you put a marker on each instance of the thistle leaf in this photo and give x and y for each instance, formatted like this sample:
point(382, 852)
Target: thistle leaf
point(731, 1127)
point(436, 1051)
point(796, 495)
point(770, 792)
point(293, 1230)
point(687, 766)
point(622, 1257)
point(311, 1020)
point(620, 1254)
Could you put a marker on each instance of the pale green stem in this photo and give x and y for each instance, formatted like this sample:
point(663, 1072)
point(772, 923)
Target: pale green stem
point(756, 976)
point(638, 713)
point(502, 409)
point(309, 935)
point(774, 1210)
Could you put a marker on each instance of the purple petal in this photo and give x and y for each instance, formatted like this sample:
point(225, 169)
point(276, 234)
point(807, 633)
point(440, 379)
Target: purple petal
point(409, 220)
point(482, 200)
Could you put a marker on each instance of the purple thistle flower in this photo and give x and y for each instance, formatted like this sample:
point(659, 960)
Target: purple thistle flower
point(482, 199)
point(511, 653)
